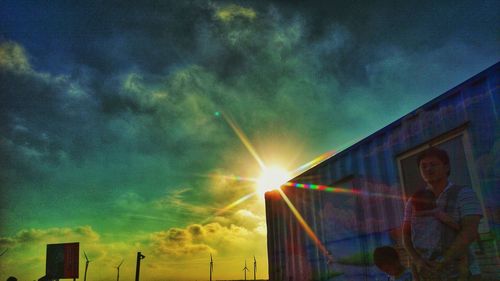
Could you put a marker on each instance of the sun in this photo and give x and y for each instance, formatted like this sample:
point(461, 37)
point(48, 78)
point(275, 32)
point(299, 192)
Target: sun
point(270, 179)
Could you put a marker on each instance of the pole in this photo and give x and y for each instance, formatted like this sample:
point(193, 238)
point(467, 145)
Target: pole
point(86, 267)
point(211, 267)
point(138, 266)
point(254, 268)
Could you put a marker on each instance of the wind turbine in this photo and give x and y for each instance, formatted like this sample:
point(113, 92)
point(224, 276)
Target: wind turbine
point(211, 267)
point(254, 267)
point(245, 269)
point(118, 274)
point(86, 266)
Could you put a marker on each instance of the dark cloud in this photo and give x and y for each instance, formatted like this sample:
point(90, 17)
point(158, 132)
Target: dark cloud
point(148, 78)
point(263, 60)
point(39, 114)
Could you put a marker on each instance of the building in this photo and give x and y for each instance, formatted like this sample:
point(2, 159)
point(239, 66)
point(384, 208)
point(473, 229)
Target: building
point(354, 201)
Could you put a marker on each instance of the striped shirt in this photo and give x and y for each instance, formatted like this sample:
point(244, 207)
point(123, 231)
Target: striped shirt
point(467, 204)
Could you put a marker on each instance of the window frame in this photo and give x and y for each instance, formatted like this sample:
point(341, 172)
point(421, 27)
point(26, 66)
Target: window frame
point(462, 133)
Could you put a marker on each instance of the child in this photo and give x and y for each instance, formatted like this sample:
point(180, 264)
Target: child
point(386, 258)
point(426, 227)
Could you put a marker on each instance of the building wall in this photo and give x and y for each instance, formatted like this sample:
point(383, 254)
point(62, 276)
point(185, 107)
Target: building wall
point(373, 177)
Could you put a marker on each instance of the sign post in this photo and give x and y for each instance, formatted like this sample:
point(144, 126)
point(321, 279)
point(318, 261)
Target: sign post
point(138, 266)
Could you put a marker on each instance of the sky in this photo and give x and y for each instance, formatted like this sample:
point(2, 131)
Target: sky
point(126, 126)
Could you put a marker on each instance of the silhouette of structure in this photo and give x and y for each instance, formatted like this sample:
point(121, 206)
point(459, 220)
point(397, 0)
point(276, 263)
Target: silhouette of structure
point(211, 267)
point(138, 266)
point(118, 269)
point(86, 266)
point(254, 268)
point(245, 269)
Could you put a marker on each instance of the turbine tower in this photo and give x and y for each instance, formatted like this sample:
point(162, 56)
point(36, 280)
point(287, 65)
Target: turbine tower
point(118, 274)
point(211, 267)
point(254, 268)
point(86, 266)
point(245, 269)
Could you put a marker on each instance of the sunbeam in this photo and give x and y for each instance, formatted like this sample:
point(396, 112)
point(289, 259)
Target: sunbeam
point(243, 139)
point(274, 178)
point(230, 206)
point(305, 226)
point(229, 177)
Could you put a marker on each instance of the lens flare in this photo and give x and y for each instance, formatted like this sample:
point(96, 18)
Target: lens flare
point(305, 226)
point(229, 207)
point(342, 190)
point(244, 140)
point(323, 188)
point(312, 163)
point(271, 178)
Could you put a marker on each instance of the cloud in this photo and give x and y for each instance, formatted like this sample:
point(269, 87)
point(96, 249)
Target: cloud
point(289, 70)
point(13, 57)
point(39, 113)
point(172, 252)
point(248, 219)
point(25, 257)
point(168, 252)
point(180, 201)
point(229, 12)
point(131, 201)
point(223, 236)
point(179, 243)
point(196, 241)
point(53, 235)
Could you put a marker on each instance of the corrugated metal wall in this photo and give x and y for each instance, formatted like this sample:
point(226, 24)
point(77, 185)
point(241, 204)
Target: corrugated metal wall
point(351, 225)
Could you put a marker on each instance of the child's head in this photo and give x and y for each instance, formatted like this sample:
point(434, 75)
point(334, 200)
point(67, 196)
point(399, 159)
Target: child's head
point(386, 258)
point(424, 200)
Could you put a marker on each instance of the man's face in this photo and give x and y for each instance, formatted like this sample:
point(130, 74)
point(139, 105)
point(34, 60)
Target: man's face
point(433, 170)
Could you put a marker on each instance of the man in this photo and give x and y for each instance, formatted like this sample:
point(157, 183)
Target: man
point(459, 202)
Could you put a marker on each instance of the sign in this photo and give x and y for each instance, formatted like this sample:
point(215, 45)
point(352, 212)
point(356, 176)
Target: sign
point(62, 260)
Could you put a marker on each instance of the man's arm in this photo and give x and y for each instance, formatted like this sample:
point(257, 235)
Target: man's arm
point(447, 219)
point(466, 235)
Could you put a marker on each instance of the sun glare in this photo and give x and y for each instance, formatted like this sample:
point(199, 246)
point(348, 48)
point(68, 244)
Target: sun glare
point(270, 179)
